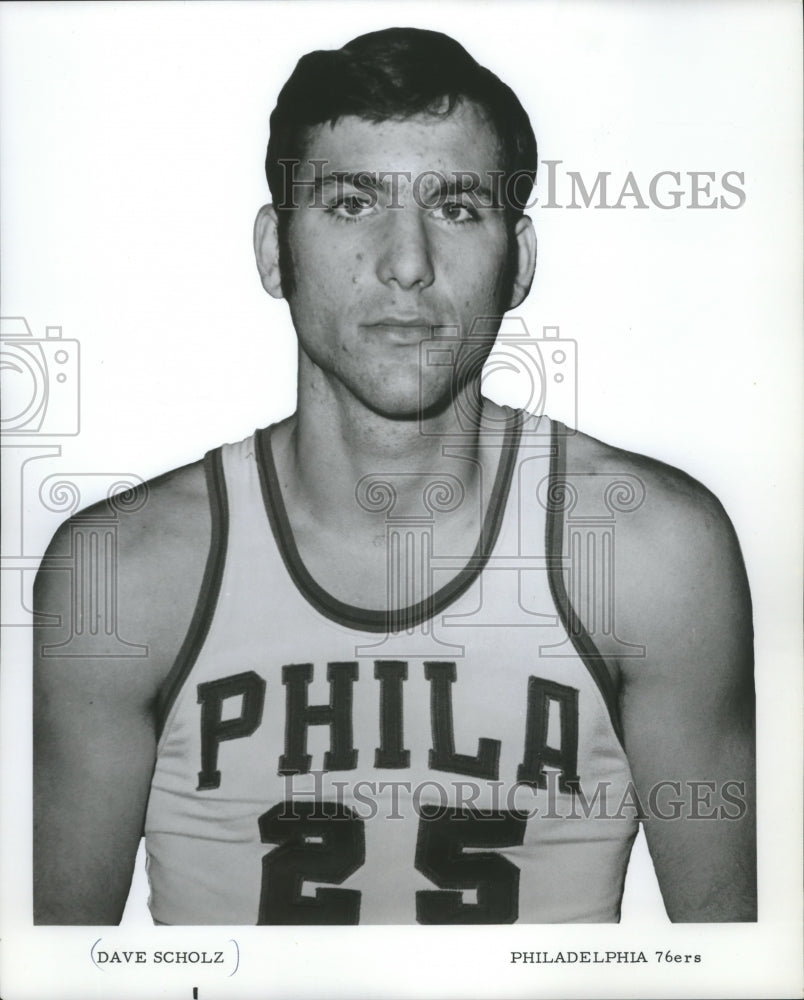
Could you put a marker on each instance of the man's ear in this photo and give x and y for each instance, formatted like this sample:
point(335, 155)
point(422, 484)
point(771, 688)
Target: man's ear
point(525, 236)
point(266, 250)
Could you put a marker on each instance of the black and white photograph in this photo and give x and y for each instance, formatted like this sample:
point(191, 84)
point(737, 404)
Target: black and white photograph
point(402, 499)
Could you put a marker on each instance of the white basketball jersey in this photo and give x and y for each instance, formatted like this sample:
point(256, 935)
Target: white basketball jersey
point(458, 762)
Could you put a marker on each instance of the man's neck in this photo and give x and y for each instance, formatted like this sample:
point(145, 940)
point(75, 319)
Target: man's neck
point(382, 496)
point(336, 459)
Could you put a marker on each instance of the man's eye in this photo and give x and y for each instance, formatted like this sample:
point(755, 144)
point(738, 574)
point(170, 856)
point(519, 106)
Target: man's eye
point(456, 211)
point(352, 206)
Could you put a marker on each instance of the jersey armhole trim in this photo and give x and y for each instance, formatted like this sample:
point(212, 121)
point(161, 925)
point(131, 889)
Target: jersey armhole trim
point(208, 594)
point(592, 658)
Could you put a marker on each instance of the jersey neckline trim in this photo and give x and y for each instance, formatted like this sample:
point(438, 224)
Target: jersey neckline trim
point(554, 541)
point(381, 621)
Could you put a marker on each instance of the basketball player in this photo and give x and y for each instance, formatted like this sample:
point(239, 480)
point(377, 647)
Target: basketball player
point(383, 681)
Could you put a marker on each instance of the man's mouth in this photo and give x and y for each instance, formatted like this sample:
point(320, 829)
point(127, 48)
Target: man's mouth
point(415, 321)
point(403, 329)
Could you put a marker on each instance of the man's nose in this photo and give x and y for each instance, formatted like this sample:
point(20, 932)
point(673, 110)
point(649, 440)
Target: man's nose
point(406, 254)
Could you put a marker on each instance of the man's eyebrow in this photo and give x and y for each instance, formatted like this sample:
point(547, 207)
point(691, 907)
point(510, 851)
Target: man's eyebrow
point(352, 178)
point(459, 183)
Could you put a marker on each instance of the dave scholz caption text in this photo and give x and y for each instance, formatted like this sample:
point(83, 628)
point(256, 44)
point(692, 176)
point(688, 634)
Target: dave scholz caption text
point(158, 957)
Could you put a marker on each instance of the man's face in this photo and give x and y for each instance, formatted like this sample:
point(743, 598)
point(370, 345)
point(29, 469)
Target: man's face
point(380, 264)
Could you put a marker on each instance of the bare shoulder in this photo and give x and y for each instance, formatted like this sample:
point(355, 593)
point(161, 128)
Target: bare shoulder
point(663, 494)
point(677, 560)
point(131, 568)
point(650, 501)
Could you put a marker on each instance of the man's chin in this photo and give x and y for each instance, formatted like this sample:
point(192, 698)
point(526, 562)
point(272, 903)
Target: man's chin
point(407, 410)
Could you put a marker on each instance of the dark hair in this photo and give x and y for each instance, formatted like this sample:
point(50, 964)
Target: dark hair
point(395, 73)
point(392, 74)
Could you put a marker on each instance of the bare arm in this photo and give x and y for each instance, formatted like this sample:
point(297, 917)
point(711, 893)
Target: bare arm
point(94, 749)
point(94, 722)
point(688, 706)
